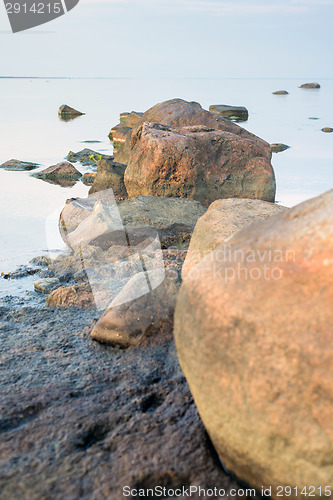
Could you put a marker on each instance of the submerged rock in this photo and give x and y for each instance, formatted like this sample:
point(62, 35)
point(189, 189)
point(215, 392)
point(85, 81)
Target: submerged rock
point(46, 285)
point(222, 219)
point(279, 147)
point(63, 170)
point(327, 130)
point(198, 163)
point(67, 113)
point(234, 113)
point(253, 333)
point(179, 113)
point(280, 92)
point(310, 86)
point(19, 165)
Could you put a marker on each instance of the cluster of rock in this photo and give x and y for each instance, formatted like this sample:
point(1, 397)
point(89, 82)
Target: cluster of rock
point(180, 234)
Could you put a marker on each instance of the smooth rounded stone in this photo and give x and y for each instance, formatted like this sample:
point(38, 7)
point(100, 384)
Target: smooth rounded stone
point(128, 322)
point(237, 113)
point(88, 178)
point(68, 112)
point(46, 285)
point(279, 147)
point(18, 165)
point(197, 163)
point(63, 170)
point(222, 219)
point(180, 113)
point(327, 130)
point(280, 92)
point(254, 334)
point(71, 296)
point(310, 86)
point(110, 175)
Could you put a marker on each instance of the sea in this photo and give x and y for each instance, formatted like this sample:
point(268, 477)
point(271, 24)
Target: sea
point(30, 130)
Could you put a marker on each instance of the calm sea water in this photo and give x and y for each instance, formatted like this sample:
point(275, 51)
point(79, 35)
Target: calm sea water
point(30, 130)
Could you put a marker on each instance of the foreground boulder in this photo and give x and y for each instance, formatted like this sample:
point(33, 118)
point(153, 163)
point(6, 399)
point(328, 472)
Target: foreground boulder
point(71, 296)
point(110, 175)
point(180, 113)
point(63, 170)
point(235, 113)
point(254, 337)
point(310, 86)
point(222, 219)
point(18, 165)
point(198, 163)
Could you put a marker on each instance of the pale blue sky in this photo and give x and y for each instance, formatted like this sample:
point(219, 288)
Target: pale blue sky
point(176, 38)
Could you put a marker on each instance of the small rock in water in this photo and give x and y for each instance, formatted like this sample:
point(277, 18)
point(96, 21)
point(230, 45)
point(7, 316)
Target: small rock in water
point(313, 118)
point(91, 142)
point(63, 170)
point(328, 130)
point(18, 165)
point(235, 113)
point(280, 92)
point(279, 147)
point(67, 113)
point(46, 285)
point(87, 157)
point(310, 86)
point(88, 178)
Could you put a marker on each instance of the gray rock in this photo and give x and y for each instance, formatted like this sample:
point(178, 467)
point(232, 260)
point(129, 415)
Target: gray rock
point(19, 165)
point(234, 113)
point(63, 170)
point(46, 285)
point(279, 147)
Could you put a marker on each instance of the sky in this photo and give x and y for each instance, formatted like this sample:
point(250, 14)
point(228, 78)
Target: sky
point(176, 39)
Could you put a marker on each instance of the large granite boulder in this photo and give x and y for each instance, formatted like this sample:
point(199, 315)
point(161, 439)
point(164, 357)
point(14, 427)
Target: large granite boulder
point(254, 332)
point(180, 113)
point(198, 163)
point(222, 219)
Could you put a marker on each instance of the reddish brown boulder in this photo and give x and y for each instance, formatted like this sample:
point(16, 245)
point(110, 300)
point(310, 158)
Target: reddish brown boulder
point(254, 332)
point(180, 113)
point(110, 175)
point(198, 163)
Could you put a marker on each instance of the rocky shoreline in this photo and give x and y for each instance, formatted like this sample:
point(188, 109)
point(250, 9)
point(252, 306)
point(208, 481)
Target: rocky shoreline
point(93, 398)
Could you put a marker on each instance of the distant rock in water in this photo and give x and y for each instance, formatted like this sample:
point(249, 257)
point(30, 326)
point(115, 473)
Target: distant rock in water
point(17, 165)
point(279, 147)
point(233, 113)
point(313, 118)
point(67, 113)
point(280, 92)
point(87, 157)
point(63, 170)
point(328, 130)
point(310, 86)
